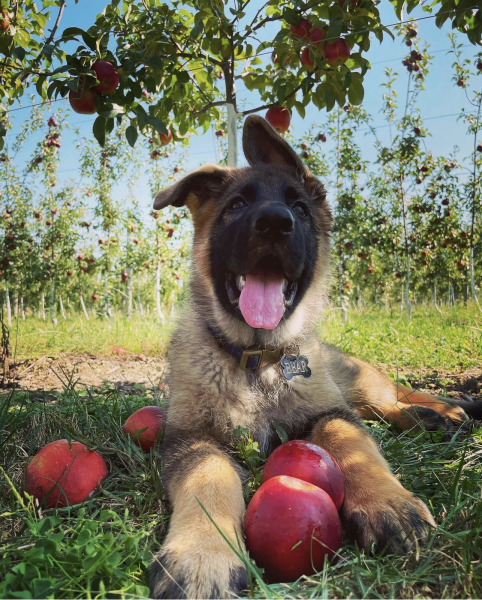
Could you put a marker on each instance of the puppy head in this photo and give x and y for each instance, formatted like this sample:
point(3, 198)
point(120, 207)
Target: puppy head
point(261, 241)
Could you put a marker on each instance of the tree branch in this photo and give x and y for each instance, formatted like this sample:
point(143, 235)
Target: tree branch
point(254, 110)
point(49, 40)
point(208, 106)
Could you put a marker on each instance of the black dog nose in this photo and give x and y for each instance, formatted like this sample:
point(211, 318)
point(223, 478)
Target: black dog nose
point(274, 221)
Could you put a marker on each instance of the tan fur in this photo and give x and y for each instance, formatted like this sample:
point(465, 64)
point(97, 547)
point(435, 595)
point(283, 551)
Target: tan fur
point(211, 396)
point(370, 487)
point(193, 544)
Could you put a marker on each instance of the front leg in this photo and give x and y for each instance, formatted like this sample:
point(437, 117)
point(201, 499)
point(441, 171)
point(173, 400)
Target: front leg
point(377, 509)
point(195, 561)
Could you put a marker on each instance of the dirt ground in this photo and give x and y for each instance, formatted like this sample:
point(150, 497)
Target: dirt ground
point(49, 373)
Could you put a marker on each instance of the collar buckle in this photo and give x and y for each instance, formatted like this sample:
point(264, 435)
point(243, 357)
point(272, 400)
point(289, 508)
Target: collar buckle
point(255, 359)
point(253, 364)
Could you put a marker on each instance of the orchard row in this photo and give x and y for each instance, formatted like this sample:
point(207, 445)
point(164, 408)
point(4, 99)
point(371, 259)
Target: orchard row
point(409, 225)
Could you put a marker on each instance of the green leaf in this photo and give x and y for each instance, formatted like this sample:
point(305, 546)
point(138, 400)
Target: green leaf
point(98, 130)
point(356, 91)
point(19, 52)
point(131, 135)
point(114, 559)
point(157, 124)
point(42, 587)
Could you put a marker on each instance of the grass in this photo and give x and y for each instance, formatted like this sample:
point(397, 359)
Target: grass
point(34, 338)
point(102, 548)
point(452, 341)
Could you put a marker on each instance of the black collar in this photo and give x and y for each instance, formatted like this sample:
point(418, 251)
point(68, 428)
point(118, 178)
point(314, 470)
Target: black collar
point(250, 359)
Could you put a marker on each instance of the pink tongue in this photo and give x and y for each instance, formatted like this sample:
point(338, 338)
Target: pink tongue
point(261, 300)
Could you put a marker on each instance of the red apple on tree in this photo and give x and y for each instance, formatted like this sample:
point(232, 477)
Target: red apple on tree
point(279, 118)
point(305, 58)
point(83, 101)
point(107, 75)
point(316, 36)
point(165, 139)
point(290, 526)
point(4, 21)
point(301, 30)
point(337, 52)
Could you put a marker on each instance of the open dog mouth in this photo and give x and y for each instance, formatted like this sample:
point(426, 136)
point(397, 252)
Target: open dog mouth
point(262, 294)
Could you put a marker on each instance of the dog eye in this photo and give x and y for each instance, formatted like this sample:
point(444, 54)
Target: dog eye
point(237, 203)
point(300, 209)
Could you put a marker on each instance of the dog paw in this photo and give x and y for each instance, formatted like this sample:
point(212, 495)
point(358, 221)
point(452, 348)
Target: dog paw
point(197, 573)
point(395, 523)
point(431, 420)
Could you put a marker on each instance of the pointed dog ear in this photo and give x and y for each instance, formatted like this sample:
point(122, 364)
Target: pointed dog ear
point(195, 188)
point(262, 145)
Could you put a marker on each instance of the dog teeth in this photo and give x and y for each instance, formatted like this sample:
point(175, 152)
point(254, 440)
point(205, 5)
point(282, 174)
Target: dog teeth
point(240, 282)
point(285, 285)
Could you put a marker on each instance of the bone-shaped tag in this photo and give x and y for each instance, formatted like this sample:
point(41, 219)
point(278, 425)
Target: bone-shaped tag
point(295, 366)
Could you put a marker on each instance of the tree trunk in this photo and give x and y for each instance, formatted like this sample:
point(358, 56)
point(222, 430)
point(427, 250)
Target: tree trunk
point(107, 309)
point(51, 303)
point(15, 305)
point(9, 306)
point(82, 304)
point(141, 308)
point(472, 278)
point(232, 135)
point(129, 293)
point(160, 314)
point(22, 308)
point(62, 311)
point(228, 70)
point(42, 307)
point(340, 293)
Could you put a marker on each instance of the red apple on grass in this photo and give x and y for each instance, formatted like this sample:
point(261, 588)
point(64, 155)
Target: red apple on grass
point(144, 426)
point(290, 526)
point(279, 118)
point(309, 462)
point(107, 75)
point(83, 101)
point(63, 473)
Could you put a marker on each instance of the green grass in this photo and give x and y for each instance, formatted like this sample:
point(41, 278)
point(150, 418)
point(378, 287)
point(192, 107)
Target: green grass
point(102, 548)
point(452, 341)
point(449, 342)
point(34, 338)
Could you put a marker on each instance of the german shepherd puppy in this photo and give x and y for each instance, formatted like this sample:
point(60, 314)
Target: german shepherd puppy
point(245, 354)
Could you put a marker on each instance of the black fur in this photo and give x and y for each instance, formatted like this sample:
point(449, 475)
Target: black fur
point(158, 569)
point(390, 532)
point(431, 420)
point(244, 247)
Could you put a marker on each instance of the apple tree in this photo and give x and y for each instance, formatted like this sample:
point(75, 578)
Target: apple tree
point(465, 73)
point(173, 66)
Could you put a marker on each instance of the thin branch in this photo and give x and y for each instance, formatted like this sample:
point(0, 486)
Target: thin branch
point(254, 110)
point(49, 40)
point(208, 106)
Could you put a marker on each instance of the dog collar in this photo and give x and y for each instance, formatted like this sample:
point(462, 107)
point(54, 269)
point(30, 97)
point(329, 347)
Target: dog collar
point(248, 359)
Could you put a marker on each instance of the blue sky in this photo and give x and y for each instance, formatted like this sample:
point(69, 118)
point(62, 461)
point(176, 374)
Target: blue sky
point(441, 98)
